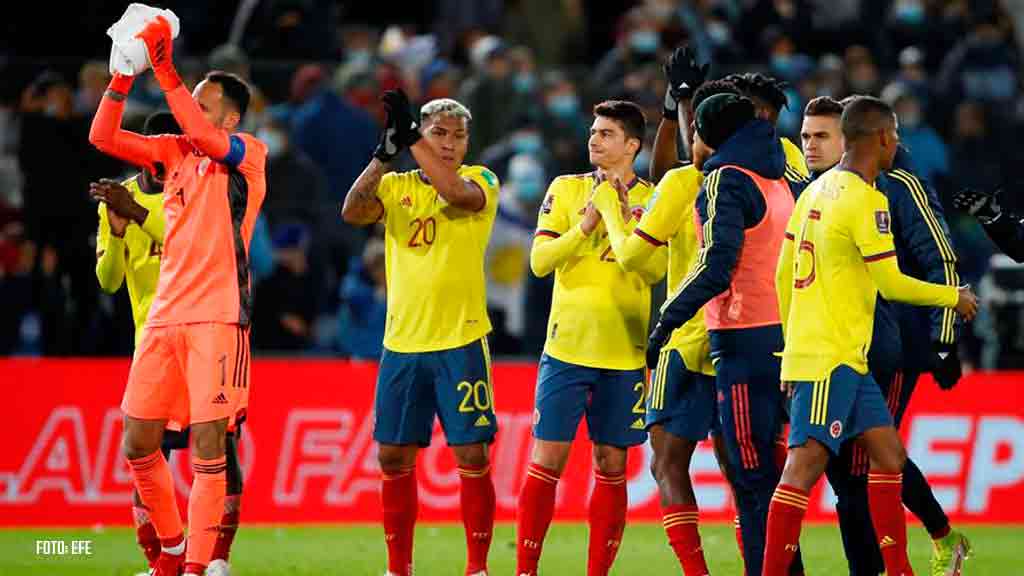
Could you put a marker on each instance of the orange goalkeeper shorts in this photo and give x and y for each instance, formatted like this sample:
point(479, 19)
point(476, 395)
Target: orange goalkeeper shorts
point(189, 373)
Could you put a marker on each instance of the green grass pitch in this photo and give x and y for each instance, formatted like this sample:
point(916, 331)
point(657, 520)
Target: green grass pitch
point(359, 550)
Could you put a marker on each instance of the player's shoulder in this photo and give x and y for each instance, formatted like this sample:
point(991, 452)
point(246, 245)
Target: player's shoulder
point(250, 140)
point(796, 165)
point(481, 172)
point(573, 182)
point(686, 175)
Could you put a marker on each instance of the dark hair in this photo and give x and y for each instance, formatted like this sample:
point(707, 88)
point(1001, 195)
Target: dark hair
point(823, 106)
point(711, 88)
point(161, 122)
point(628, 114)
point(235, 89)
point(761, 87)
point(864, 116)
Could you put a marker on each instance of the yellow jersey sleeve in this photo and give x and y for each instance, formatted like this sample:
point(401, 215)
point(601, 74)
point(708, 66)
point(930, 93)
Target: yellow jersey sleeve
point(487, 181)
point(110, 260)
point(796, 165)
point(554, 242)
point(867, 218)
point(662, 219)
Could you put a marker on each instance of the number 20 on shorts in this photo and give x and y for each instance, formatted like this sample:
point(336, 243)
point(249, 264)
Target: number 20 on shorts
point(475, 396)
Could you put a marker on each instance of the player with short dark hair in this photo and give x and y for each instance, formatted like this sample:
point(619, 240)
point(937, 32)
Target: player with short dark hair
point(820, 134)
point(919, 250)
point(742, 207)
point(593, 362)
point(436, 362)
point(191, 365)
point(839, 241)
point(769, 97)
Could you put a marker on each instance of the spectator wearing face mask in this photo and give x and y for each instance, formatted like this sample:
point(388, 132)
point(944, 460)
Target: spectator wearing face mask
point(525, 137)
point(508, 252)
point(364, 304)
point(285, 309)
point(565, 129)
point(638, 43)
point(298, 185)
point(930, 156)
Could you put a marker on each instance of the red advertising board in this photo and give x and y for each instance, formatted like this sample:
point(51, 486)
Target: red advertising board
point(308, 453)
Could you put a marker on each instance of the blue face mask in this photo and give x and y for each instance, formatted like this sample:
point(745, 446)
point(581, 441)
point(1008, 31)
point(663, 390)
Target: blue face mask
point(527, 143)
point(642, 162)
point(782, 63)
point(910, 13)
point(524, 83)
point(529, 190)
point(564, 106)
point(644, 41)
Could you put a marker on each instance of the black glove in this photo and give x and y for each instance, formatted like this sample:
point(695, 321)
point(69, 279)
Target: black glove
point(668, 109)
point(683, 74)
point(659, 336)
point(399, 109)
point(946, 367)
point(984, 207)
point(387, 148)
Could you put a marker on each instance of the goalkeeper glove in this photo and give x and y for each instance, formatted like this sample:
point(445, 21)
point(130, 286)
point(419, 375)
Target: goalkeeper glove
point(946, 367)
point(159, 47)
point(683, 74)
point(984, 207)
point(407, 128)
point(659, 336)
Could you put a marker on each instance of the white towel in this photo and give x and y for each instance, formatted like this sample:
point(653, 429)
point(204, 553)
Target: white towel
point(128, 54)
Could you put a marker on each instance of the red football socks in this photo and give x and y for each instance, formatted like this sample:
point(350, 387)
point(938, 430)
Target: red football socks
point(228, 527)
point(785, 517)
point(607, 522)
point(890, 521)
point(399, 506)
point(680, 523)
point(478, 502)
point(536, 508)
point(145, 534)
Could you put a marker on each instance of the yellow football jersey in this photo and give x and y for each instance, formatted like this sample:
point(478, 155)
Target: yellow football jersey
point(134, 259)
point(599, 312)
point(796, 165)
point(671, 218)
point(827, 294)
point(434, 257)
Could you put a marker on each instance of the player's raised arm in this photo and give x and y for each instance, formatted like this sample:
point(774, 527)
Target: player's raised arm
point(446, 122)
point(554, 241)
point(362, 206)
point(209, 139)
point(683, 76)
point(107, 135)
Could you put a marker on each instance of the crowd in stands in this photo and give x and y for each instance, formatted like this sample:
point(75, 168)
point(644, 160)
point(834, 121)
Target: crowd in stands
point(529, 70)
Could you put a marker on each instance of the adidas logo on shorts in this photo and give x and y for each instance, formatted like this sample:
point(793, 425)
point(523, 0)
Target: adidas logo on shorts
point(220, 399)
